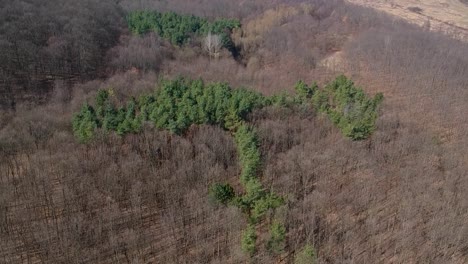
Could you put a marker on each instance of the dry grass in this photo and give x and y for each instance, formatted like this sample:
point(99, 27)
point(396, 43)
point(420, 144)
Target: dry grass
point(450, 16)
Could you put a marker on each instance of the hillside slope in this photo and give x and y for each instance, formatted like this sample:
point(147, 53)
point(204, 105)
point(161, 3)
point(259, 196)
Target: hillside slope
point(449, 16)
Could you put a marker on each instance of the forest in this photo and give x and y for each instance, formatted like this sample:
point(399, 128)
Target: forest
point(216, 131)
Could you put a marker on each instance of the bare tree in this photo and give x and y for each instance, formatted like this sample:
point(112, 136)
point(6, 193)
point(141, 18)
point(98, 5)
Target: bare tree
point(213, 44)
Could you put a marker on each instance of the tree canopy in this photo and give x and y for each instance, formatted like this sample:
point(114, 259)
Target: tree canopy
point(180, 103)
point(179, 28)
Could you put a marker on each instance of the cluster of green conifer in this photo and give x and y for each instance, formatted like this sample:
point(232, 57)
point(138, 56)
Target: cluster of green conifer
point(347, 106)
point(179, 28)
point(175, 106)
point(306, 255)
point(180, 103)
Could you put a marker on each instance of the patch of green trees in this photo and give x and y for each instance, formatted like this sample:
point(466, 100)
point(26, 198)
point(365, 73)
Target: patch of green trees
point(249, 238)
point(85, 123)
point(347, 106)
point(179, 28)
point(177, 105)
point(222, 193)
point(180, 103)
point(305, 256)
point(277, 237)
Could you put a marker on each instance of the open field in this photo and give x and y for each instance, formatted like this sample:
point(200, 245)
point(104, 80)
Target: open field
point(449, 16)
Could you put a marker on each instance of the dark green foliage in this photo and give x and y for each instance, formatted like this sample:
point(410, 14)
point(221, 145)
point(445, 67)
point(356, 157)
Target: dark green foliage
point(102, 97)
point(269, 201)
point(249, 154)
point(129, 121)
point(101, 102)
point(277, 237)
point(223, 27)
point(123, 120)
point(222, 193)
point(350, 108)
point(243, 101)
point(347, 106)
point(84, 123)
point(177, 105)
point(180, 103)
point(305, 256)
point(282, 100)
point(256, 201)
point(179, 28)
point(249, 237)
point(110, 120)
point(320, 101)
point(254, 191)
point(304, 91)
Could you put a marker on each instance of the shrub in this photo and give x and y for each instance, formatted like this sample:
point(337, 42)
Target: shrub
point(304, 91)
point(254, 192)
point(305, 256)
point(320, 101)
point(249, 237)
point(222, 193)
point(265, 203)
point(84, 123)
point(249, 154)
point(283, 100)
point(348, 107)
point(277, 237)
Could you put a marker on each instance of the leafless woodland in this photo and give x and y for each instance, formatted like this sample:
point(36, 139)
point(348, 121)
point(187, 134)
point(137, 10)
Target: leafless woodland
point(397, 197)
